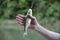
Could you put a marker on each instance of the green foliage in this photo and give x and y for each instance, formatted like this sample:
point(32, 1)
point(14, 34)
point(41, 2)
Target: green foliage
point(49, 9)
point(41, 8)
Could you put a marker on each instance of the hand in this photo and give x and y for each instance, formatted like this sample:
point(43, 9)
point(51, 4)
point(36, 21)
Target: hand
point(34, 25)
point(21, 19)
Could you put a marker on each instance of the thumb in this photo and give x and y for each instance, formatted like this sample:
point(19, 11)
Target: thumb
point(31, 17)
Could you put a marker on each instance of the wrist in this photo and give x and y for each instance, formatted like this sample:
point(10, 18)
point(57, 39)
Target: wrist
point(36, 27)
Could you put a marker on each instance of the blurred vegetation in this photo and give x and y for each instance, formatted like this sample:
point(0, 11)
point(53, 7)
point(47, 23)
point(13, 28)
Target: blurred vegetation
point(42, 9)
point(10, 30)
point(47, 13)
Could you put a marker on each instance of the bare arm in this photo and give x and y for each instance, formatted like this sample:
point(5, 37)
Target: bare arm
point(46, 33)
point(35, 26)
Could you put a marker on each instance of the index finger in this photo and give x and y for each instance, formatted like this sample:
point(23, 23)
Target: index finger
point(19, 15)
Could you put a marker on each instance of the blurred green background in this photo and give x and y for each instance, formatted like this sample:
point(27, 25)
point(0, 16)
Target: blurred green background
point(47, 13)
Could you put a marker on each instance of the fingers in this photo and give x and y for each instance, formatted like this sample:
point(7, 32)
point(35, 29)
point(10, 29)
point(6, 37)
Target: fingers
point(32, 17)
point(19, 15)
point(20, 19)
point(21, 22)
point(34, 21)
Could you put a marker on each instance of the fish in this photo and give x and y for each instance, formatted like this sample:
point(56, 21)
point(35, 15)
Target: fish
point(27, 22)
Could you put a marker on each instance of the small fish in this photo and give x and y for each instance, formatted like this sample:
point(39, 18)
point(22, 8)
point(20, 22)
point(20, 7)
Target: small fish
point(27, 22)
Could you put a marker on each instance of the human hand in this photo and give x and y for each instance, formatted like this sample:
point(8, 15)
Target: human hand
point(21, 20)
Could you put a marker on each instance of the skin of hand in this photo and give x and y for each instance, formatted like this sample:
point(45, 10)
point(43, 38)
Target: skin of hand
point(21, 19)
